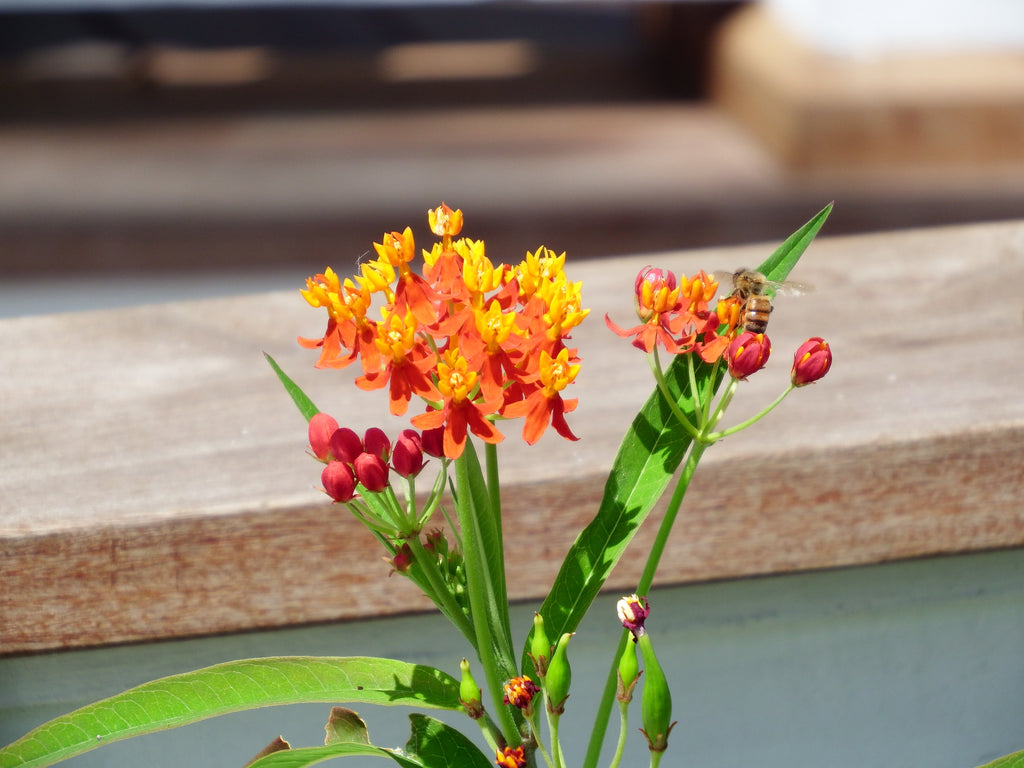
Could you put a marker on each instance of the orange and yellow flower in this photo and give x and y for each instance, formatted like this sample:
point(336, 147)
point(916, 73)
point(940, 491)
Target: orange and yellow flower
point(475, 340)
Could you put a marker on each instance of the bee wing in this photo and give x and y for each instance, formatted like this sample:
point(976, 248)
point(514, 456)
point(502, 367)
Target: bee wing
point(791, 288)
point(724, 276)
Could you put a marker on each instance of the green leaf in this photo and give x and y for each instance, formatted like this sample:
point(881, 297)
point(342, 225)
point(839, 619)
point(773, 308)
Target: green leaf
point(300, 398)
point(648, 457)
point(232, 687)
point(431, 745)
point(778, 266)
point(1015, 760)
point(437, 745)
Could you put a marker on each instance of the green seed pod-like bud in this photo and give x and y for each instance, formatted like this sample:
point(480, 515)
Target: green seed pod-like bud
point(629, 672)
point(559, 676)
point(540, 647)
point(469, 693)
point(656, 700)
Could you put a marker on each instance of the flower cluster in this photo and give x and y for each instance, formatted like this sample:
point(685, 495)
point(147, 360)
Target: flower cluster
point(474, 340)
point(677, 316)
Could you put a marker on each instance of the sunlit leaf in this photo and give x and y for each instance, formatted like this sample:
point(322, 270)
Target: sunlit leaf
point(232, 687)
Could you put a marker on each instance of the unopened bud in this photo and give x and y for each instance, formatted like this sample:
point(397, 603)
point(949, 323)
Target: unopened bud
point(656, 699)
point(628, 673)
point(338, 481)
point(407, 454)
point(747, 354)
point(812, 360)
point(469, 693)
point(371, 471)
point(346, 445)
point(376, 441)
point(540, 647)
point(432, 441)
point(321, 427)
point(559, 676)
point(401, 562)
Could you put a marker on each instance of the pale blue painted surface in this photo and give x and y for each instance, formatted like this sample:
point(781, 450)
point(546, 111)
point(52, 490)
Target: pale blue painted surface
point(917, 664)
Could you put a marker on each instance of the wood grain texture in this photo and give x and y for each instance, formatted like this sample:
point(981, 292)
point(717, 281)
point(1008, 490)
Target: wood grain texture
point(155, 485)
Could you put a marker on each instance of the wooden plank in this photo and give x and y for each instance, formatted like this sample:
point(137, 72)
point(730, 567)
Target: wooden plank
point(155, 484)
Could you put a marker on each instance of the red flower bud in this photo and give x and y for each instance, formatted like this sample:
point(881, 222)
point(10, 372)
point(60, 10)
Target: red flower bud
point(812, 360)
point(432, 441)
point(346, 445)
point(321, 427)
point(375, 441)
point(407, 456)
point(402, 561)
point(747, 354)
point(338, 481)
point(371, 471)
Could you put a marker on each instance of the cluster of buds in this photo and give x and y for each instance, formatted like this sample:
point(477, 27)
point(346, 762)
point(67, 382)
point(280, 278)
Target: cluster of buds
point(358, 473)
point(473, 340)
point(353, 461)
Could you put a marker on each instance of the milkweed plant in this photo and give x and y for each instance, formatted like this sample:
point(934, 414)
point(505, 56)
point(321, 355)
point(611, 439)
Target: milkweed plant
point(476, 350)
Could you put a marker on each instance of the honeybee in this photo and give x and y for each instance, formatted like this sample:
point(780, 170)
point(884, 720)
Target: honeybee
point(756, 291)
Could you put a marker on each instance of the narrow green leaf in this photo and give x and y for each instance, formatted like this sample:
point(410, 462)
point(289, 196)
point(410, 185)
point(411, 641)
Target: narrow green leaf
point(300, 398)
point(648, 457)
point(232, 687)
point(1015, 760)
point(778, 266)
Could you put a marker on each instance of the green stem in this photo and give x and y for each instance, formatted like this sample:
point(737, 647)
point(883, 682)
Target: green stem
point(551, 762)
point(744, 424)
point(659, 378)
point(623, 730)
point(604, 712)
point(556, 744)
point(481, 600)
point(439, 592)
